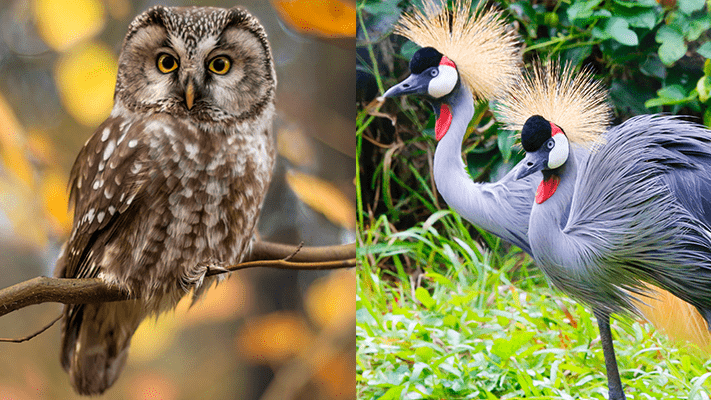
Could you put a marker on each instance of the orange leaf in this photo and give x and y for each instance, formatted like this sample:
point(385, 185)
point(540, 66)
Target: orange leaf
point(230, 299)
point(41, 148)
point(330, 18)
point(323, 197)
point(338, 376)
point(11, 133)
point(296, 147)
point(273, 338)
point(330, 302)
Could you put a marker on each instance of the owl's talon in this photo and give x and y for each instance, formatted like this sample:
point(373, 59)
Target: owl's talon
point(215, 269)
point(194, 277)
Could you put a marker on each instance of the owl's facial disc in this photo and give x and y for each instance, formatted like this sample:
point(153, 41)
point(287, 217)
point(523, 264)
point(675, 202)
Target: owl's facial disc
point(221, 72)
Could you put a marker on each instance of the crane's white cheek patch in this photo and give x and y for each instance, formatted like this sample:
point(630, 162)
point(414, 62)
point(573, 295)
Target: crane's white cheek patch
point(443, 83)
point(559, 154)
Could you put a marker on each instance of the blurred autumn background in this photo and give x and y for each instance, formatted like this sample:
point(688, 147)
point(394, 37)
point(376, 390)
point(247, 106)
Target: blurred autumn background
point(262, 333)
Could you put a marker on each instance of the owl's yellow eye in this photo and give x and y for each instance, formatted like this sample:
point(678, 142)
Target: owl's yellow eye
point(166, 63)
point(220, 65)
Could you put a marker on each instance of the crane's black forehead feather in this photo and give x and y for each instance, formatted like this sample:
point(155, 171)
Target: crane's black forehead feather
point(424, 58)
point(535, 132)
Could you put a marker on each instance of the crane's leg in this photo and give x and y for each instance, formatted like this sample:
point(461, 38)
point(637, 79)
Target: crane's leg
point(614, 384)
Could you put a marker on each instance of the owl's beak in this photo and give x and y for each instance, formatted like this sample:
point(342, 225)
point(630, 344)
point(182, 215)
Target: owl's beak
point(189, 94)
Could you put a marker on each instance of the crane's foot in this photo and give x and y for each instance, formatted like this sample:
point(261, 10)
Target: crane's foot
point(194, 277)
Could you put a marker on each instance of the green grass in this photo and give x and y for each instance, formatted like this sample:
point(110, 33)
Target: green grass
point(463, 330)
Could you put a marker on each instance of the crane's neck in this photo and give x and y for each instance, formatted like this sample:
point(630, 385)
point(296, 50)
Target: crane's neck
point(551, 246)
point(501, 208)
point(450, 175)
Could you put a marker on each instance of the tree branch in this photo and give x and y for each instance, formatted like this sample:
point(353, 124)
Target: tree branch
point(277, 251)
point(43, 289)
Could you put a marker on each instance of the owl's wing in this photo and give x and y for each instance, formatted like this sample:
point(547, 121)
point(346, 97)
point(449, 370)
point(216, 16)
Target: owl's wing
point(108, 177)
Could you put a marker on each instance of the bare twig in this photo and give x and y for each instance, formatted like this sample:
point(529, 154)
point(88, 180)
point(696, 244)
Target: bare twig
point(298, 249)
point(26, 338)
point(84, 291)
point(283, 264)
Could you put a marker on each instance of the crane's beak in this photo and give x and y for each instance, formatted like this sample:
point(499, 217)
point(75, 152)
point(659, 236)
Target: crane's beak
point(533, 162)
point(413, 84)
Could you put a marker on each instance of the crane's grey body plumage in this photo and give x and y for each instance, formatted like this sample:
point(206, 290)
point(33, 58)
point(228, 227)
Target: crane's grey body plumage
point(172, 183)
point(503, 207)
point(638, 213)
point(506, 208)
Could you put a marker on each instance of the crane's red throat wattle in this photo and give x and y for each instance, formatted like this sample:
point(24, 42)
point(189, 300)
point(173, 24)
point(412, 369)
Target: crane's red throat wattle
point(547, 188)
point(443, 122)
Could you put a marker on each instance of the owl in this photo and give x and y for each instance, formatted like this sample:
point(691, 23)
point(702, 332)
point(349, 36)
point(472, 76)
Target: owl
point(171, 184)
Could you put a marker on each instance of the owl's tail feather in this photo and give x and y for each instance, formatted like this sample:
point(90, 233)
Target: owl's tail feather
point(95, 341)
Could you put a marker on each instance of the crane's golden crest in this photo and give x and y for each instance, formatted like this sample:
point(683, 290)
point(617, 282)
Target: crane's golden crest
point(485, 52)
point(573, 100)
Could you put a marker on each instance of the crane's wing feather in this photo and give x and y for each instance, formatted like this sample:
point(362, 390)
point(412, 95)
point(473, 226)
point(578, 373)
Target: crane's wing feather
point(507, 208)
point(504, 207)
point(636, 208)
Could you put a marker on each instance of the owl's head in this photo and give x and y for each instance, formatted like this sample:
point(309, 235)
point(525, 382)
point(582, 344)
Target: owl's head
point(206, 64)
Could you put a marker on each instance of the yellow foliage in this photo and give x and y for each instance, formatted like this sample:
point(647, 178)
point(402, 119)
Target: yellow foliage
point(273, 338)
point(17, 198)
point(55, 197)
point(13, 158)
point(330, 18)
point(12, 145)
point(63, 23)
point(323, 197)
point(41, 148)
point(330, 302)
point(229, 300)
point(153, 337)
point(85, 78)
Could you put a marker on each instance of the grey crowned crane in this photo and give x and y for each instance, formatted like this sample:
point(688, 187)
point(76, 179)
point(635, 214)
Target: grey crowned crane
point(469, 56)
point(465, 57)
point(636, 211)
